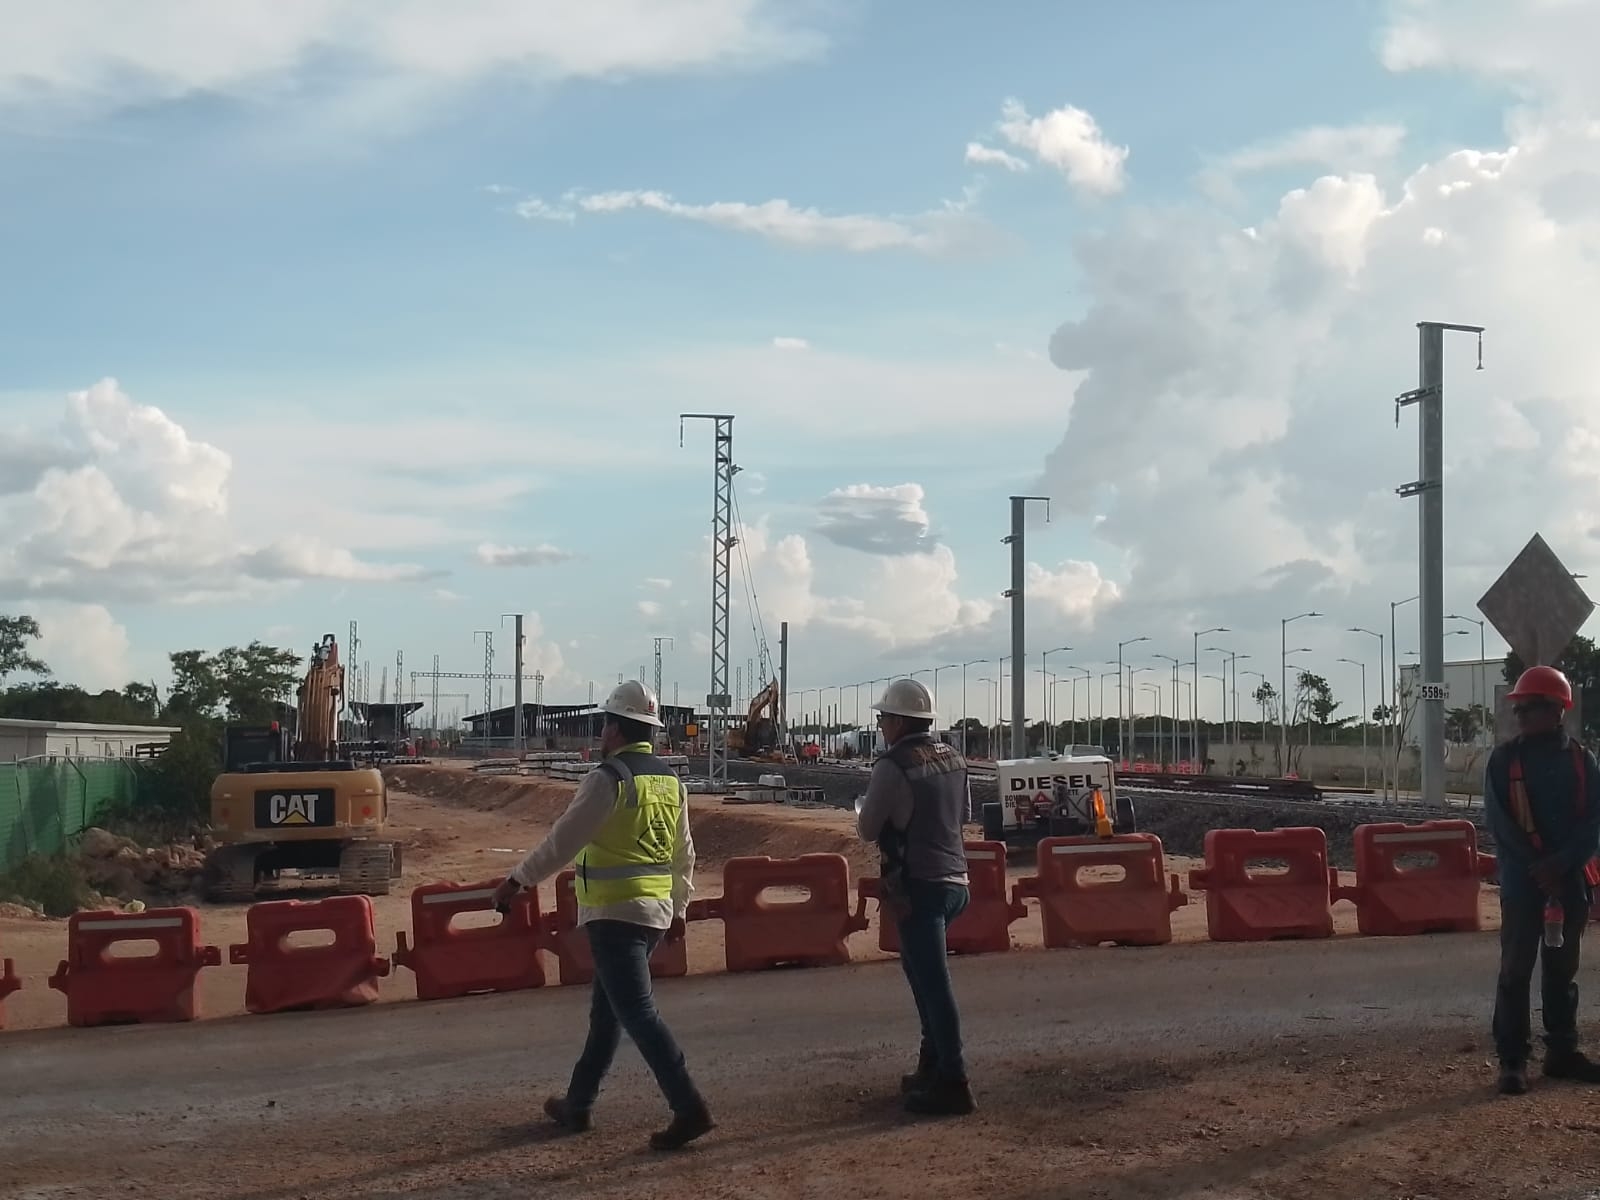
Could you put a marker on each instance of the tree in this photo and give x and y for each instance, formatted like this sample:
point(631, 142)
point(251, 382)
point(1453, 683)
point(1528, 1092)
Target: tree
point(1462, 725)
point(1265, 696)
point(15, 635)
point(246, 684)
point(1580, 662)
point(53, 701)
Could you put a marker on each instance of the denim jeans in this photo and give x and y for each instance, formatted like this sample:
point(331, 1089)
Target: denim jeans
point(922, 956)
point(1521, 942)
point(623, 1000)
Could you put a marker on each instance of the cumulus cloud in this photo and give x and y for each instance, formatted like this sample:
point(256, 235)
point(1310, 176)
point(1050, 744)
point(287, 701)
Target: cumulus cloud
point(127, 504)
point(1070, 140)
point(989, 156)
point(84, 644)
point(542, 555)
point(94, 55)
point(878, 520)
point(948, 230)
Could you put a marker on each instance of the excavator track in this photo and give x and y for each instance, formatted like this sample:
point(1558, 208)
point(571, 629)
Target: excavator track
point(231, 875)
point(365, 869)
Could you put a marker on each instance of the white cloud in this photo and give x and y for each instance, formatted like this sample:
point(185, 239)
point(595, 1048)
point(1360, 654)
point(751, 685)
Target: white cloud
point(948, 230)
point(989, 156)
point(542, 555)
point(790, 343)
point(532, 208)
point(446, 596)
point(130, 506)
point(1070, 140)
point(1337, 147)
point(95, 55)
point(657, 583)
point(878, 520)
point(648, 608)
point(83, 644)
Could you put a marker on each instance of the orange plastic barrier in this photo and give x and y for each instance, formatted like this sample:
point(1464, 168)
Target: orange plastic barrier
point(449, 960)
point(340, 974)
point(1440, 897)
point(759, 933)
point(8, 983)
point(1134, 910)
point(105, 988)
point(985, 925)
point(1246, 907)
point(566, 937)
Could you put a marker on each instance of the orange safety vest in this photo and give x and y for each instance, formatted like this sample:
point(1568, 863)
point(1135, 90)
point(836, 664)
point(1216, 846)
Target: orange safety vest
point(1522, 808)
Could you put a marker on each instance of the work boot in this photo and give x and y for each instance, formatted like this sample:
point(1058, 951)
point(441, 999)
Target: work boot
point(920, 1079)
point(942, 1098)
point(564, 1115)
point(1571, 1064)
point(1513, 1079)
point(684, 1129)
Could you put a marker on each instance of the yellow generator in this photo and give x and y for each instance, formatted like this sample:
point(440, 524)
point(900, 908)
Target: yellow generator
point(276, 809)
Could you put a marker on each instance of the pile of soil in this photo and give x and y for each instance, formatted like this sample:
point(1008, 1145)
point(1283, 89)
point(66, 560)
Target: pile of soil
point(121, 868)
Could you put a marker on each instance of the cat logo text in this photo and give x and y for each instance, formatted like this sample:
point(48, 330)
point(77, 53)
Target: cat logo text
point(292, 808)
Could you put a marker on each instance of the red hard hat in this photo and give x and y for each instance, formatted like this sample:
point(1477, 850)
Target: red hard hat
point(1543, 683)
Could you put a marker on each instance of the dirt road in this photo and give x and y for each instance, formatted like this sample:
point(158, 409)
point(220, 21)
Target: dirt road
point(1353, 1068)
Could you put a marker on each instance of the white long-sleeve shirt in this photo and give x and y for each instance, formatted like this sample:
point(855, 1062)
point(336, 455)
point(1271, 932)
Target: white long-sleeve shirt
point(576, 828)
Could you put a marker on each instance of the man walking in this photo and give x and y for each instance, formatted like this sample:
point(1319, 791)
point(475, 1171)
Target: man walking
point(1542, 795)
point(917, 801)
point(627, 830)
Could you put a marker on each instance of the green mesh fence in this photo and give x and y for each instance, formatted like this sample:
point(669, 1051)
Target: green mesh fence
point(44, 804)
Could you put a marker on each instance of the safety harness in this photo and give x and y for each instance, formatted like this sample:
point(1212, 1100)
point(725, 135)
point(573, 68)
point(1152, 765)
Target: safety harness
point(1522, 807)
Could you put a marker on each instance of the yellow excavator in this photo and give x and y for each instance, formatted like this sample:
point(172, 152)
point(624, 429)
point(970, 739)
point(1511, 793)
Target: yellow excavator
point(295, 803)
point(757, 738)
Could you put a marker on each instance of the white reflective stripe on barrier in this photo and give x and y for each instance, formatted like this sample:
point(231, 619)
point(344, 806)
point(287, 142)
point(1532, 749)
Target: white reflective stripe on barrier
point(142, 923)
point(981, 855)
point(447, 897)
point(1443, 835)
point(1109, 848)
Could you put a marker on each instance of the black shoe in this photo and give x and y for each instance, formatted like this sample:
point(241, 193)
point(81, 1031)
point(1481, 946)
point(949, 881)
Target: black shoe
point(1573, 1065)
point(564, 1115)
point(683, 1130)
point(922, 1078)
point(942, 1098)
point(1513, 1079)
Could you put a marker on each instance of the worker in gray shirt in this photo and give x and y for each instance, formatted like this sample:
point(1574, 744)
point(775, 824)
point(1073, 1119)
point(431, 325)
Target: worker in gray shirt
point(916, 803)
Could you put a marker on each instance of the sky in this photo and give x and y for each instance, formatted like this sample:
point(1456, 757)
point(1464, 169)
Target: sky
point(316, 315)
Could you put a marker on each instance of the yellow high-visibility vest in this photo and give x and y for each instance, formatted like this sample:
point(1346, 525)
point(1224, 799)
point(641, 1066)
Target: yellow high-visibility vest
point(631, 857)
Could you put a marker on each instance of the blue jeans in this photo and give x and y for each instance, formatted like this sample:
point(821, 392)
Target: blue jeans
point(922, 957)
point(623, 1000)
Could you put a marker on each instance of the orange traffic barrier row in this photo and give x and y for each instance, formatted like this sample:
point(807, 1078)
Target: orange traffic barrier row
point(1089, 891)
point(1133, 908)
point(984, 927)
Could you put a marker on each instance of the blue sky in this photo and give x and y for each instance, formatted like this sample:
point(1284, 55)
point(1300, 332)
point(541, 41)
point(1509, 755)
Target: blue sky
point(302, 245)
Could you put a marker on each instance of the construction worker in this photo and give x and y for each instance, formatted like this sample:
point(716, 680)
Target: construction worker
point(1542, 795)
point(917, 801)
point(627, 830)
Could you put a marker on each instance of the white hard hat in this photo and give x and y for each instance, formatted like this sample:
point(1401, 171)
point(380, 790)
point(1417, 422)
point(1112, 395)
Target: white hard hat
point(906, 698)
point(633, 700)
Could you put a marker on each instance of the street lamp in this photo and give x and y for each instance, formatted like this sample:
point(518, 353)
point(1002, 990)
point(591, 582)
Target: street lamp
point(1105, 676)
point(1194, 695)
point(1480, 677)
point(988, 703)
point(1120, 645)
point(1283, 682)
point(970, 663)
point(936, 670)
point(1363, 666)
point(1169, 658)
point(1383, 729)
point(1262, 707)
point(1133, 706)
point(1044, 665)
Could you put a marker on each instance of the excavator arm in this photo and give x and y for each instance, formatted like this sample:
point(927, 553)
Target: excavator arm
point(317, 733)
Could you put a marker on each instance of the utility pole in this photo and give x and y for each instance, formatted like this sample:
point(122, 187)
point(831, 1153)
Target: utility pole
point(488, 676)
point(518, 734)
point(1019, 673)
point(1429, 488)
point(718, 702)
point(658, 642)
point(435, 708)
point(783, 683)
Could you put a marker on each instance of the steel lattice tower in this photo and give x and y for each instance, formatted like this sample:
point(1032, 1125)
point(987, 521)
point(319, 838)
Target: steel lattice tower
point(658, 642)
point(718, 701)
point(434, 711)
point(488, 677)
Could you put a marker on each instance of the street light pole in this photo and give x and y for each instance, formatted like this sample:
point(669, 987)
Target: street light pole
point(1120, 645)
point(1049, 722)
point(1481, 675)
point(1283, 683)
point(1194, 694)
point(1169, 658)
point(1383, 729)
point(1364, 760)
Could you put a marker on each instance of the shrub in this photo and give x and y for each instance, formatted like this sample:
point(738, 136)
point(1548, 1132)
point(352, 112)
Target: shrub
point(51, 883)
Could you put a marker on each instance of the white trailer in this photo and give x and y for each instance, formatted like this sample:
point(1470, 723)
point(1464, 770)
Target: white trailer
point(1051, 797)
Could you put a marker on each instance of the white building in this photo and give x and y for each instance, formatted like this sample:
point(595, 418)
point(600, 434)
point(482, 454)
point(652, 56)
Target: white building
point(21, 740)
point(1469, 682)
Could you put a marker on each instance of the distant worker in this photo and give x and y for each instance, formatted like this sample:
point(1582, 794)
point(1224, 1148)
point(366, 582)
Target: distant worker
point(917, 801)
point(1542, 795)
point(627, 829)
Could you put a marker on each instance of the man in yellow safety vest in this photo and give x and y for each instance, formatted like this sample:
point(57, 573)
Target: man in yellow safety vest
point(627, 831)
